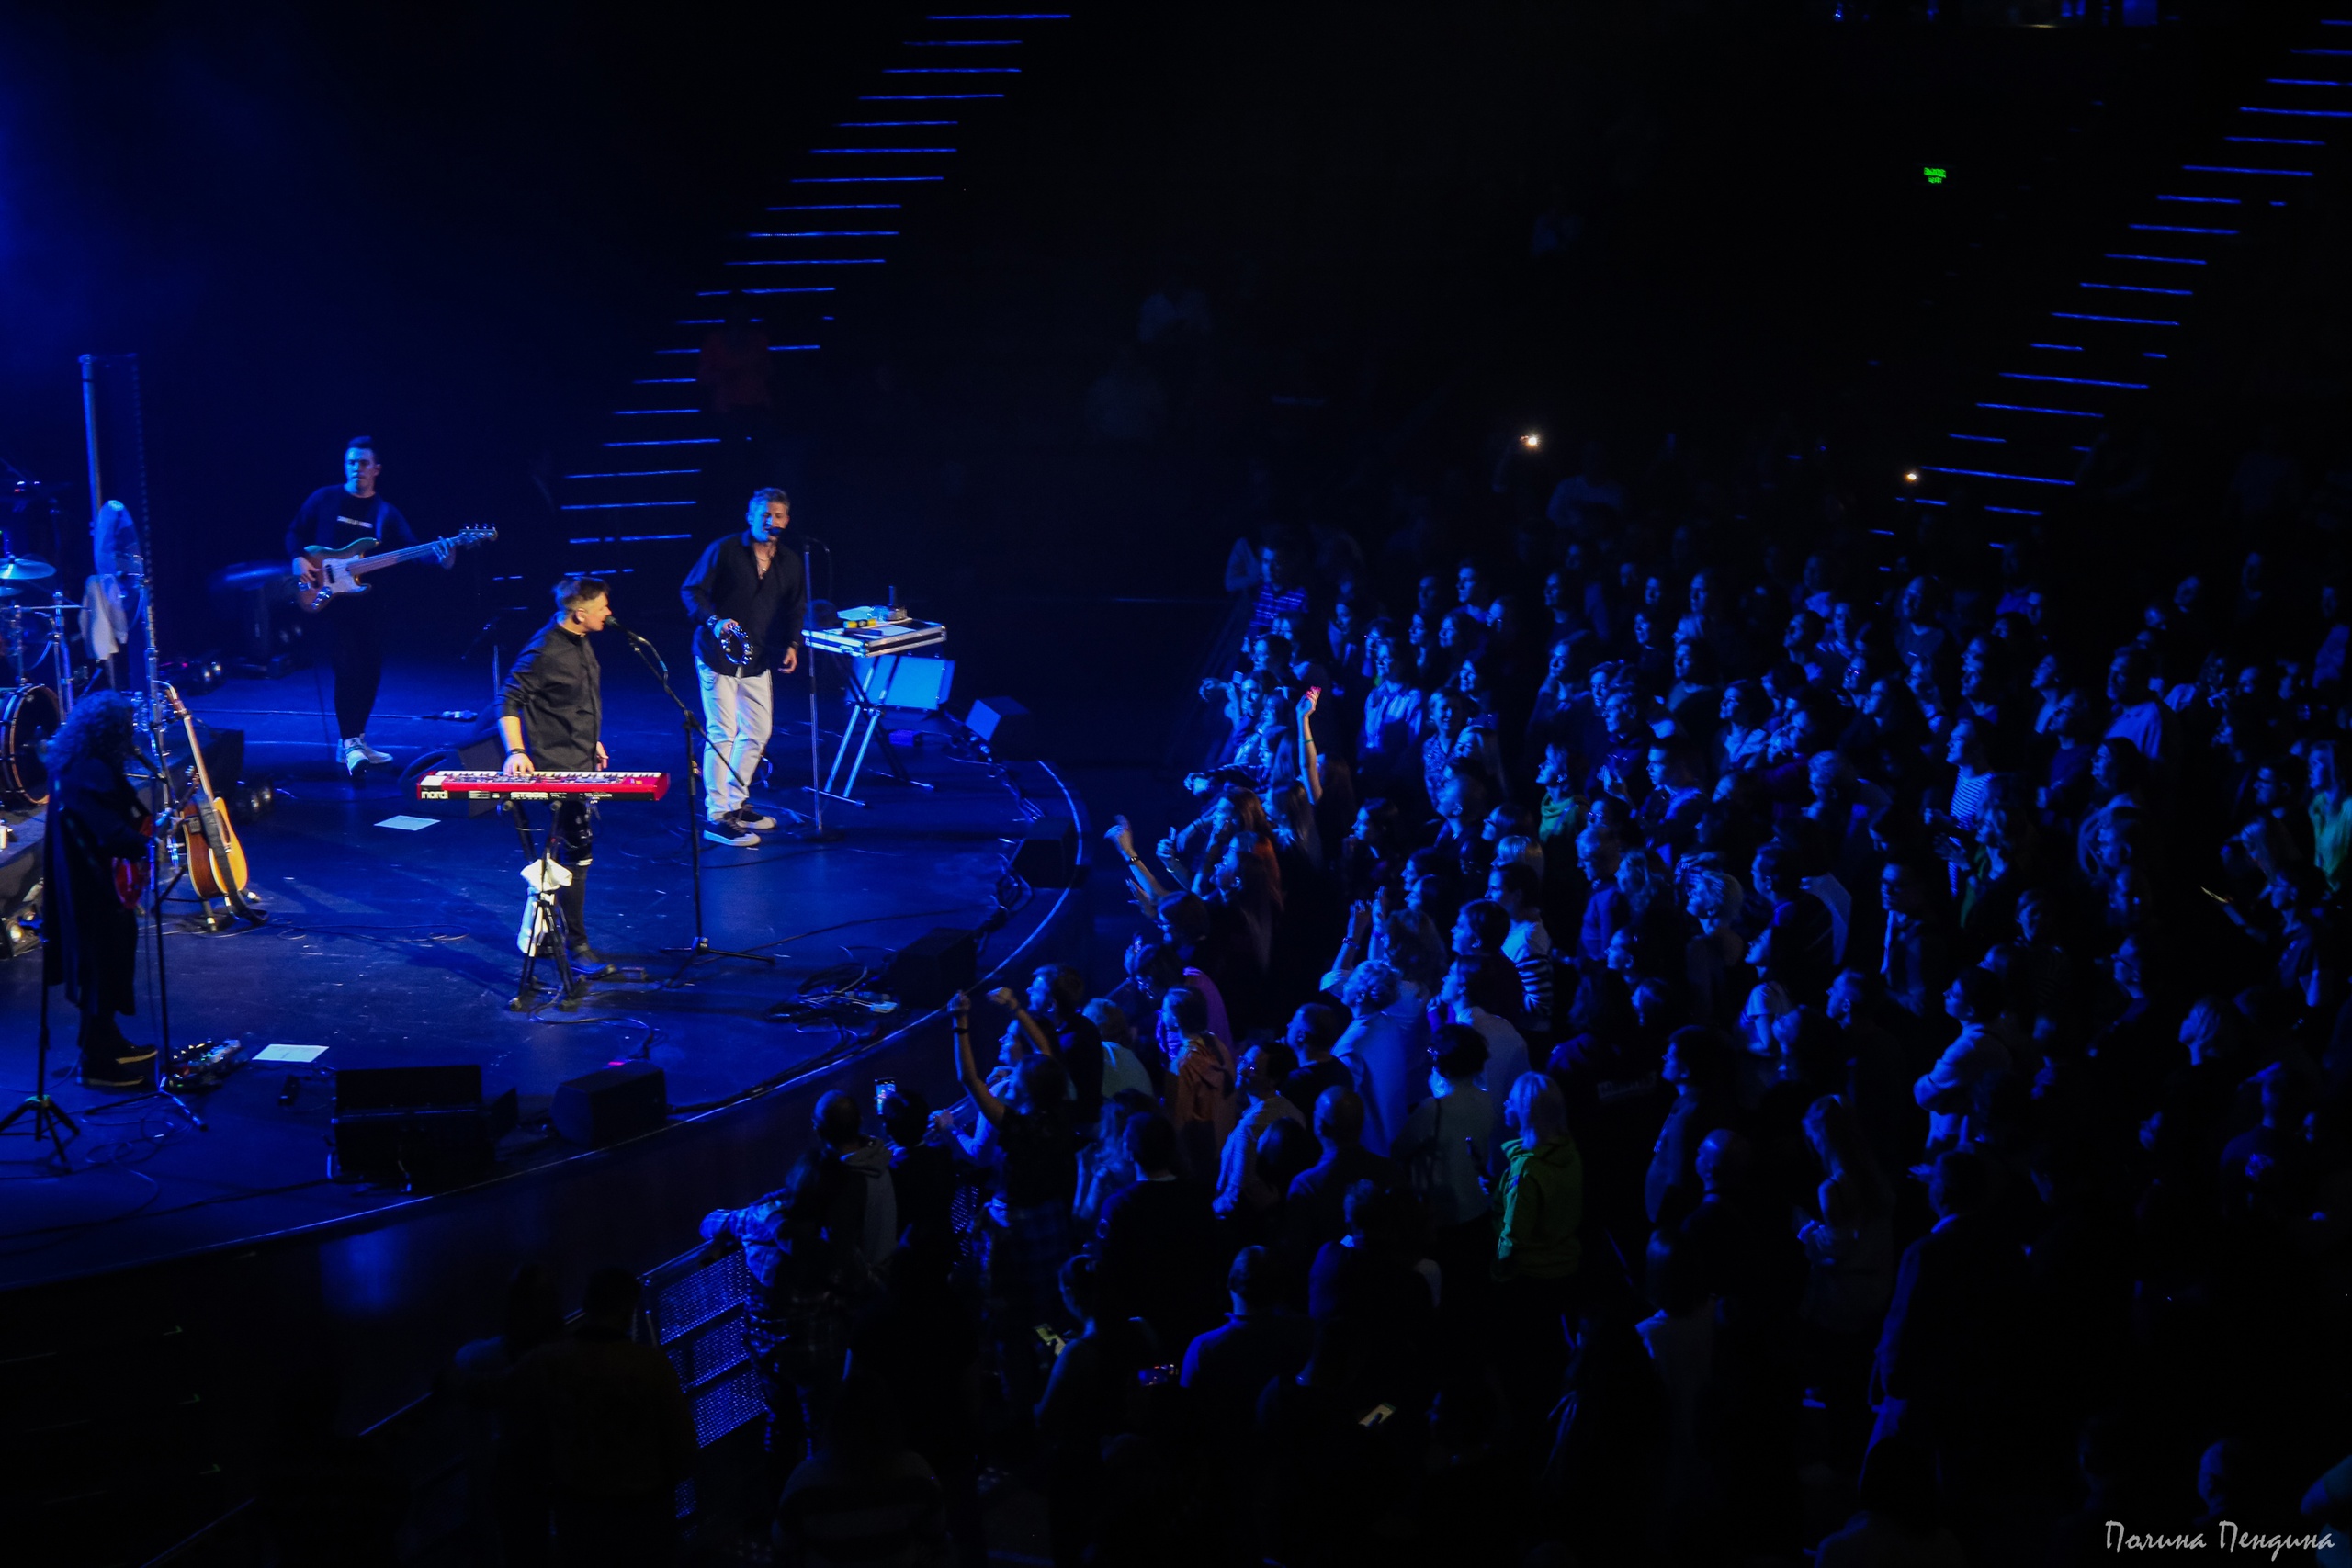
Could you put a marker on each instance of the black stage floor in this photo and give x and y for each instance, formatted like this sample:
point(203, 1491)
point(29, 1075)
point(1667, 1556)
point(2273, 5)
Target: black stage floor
point(397, 947)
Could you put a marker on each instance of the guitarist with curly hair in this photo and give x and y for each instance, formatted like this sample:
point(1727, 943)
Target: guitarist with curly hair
point(93, 863)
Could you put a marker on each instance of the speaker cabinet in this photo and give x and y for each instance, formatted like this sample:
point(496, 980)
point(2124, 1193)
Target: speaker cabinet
point(1046, 854)
point(1009, 729)
point(934, 966)
point(604, 1106)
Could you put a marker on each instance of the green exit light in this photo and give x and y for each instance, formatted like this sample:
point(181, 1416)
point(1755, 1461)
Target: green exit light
point(1935, 176)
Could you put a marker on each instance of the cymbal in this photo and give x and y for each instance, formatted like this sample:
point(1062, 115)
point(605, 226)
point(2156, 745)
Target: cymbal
point(24, 569)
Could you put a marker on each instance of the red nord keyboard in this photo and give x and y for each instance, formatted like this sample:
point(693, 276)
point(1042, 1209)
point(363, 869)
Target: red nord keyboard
point(458, 785)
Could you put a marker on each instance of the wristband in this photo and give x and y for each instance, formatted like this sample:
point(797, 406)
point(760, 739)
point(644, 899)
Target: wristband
point(516, 752)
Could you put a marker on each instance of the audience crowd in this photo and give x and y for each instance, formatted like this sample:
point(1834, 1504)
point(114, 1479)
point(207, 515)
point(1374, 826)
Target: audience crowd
point(1652, 1042)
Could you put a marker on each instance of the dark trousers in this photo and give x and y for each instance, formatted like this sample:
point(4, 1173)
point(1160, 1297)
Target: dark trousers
point(101, 1039)
point(575, 847)
point(1528, 1333)
point(356, 654)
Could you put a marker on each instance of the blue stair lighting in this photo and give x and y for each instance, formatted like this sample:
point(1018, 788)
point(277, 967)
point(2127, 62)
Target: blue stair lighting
point(942, 66)
point(2121, 338)
point(1989, 474)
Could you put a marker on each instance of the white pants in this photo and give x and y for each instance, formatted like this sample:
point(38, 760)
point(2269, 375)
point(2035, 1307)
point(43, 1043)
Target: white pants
point(738, 711)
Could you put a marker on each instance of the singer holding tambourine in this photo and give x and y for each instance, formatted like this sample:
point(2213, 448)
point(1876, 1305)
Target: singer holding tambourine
point(749, 599)
point(551, 715)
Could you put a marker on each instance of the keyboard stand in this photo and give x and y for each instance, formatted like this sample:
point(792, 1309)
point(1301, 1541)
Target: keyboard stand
point(869, 682)
point(545, 914)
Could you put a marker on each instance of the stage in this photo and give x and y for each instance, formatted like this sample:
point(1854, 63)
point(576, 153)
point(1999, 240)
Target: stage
point(393, 944)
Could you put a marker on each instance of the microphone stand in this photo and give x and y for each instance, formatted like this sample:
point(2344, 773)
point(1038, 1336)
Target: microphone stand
point(697, 739)
point(159, 888)
point(815, 832)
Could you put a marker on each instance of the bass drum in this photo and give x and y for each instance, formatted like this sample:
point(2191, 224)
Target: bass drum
point(29, 716)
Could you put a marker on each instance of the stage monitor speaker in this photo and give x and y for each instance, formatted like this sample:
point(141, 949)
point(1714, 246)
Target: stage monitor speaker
point(604, 1106)
point(1046, 854)
point(1009, 729)
point(934, 966)
point(224, 752)
point(919, 685)
point(427, 1149)
point(487, 755)
point(407, 1089)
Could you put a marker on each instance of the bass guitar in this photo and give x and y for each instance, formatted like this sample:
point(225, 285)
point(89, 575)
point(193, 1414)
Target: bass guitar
point(216, 860)
point(324, 574)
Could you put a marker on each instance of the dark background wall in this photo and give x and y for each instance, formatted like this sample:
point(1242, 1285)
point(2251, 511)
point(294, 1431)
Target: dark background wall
point(461, 229)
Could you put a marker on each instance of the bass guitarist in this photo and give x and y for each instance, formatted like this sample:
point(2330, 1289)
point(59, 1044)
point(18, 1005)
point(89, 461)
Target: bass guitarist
point(334, 516)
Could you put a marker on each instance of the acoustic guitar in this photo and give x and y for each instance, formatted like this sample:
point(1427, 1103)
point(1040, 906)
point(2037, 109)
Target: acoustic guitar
point(216, 860)
point(327, 574)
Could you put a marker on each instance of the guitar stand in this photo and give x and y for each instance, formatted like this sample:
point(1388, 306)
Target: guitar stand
point(868, 685)
point(546, 922)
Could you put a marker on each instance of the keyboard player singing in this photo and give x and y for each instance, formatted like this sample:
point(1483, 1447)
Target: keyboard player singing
point(551, 714)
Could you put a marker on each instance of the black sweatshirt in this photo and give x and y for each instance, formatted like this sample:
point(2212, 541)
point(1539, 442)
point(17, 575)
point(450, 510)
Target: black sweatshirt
point(726, 585)
point(335, 517)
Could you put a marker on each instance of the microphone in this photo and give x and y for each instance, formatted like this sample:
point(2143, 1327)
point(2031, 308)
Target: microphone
point(644, 649)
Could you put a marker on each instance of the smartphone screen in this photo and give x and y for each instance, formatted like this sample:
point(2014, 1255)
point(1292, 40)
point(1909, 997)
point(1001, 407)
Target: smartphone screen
point(1377, 1415)
point(1155, 1376)
point(1051, 1340)
point(883, 1089)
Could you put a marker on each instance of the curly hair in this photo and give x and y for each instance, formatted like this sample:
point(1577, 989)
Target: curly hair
point(103, 724)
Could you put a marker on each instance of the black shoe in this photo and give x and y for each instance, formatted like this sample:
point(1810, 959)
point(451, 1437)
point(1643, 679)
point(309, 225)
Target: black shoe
point(752, 817)
point(118, 1076)
point(727, 831)
point(589, 964)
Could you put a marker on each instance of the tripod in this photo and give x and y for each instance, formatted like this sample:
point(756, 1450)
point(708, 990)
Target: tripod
point(47, 1114)
point(698, 740)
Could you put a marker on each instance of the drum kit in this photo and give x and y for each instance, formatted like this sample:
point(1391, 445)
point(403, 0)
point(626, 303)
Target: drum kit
point(33, 636)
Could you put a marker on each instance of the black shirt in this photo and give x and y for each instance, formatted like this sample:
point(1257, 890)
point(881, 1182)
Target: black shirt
point(335, 517)
point(727, 584)
point(556, 689)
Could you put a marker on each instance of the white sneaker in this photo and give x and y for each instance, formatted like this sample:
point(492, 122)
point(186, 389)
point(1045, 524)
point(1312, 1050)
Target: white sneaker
point(725, 831)
point(355, 757)
point(360, 743)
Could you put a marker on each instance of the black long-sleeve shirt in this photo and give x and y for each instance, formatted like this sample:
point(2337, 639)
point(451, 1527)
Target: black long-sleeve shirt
point(557, 690)
point(727, 584)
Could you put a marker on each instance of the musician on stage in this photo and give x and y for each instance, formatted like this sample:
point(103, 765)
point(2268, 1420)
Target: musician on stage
point(748, 598)
point(336, 515)
point(551, 714)
point(97, 824)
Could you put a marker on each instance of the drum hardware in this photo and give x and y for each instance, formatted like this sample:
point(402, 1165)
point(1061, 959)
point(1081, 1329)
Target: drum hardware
point(29, 716)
